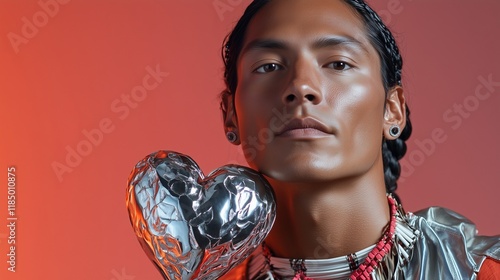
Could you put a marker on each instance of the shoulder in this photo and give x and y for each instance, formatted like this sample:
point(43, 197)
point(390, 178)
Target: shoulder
point(443, 217)
point(438, 222)
point(455, 238)
point(447, 221)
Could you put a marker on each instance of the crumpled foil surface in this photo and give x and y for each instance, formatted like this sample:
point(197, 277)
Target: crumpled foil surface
point(197, 227)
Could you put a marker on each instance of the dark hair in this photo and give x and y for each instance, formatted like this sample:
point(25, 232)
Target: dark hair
point(391, 66)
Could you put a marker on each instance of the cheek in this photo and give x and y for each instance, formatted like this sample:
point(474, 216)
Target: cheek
point(251, 110)
point(359, 109)
point(256, 102)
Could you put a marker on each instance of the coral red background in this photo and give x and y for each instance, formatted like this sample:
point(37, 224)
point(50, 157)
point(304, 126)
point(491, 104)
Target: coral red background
point(63, 78)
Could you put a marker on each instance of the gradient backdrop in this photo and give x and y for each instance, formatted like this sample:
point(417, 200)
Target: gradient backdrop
point(79, 108)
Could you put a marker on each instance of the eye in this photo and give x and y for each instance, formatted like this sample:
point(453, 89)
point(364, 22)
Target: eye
point(270, 67)
point(339, 65)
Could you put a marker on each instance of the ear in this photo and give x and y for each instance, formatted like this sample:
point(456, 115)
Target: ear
point(229, 115)
point(395, 111)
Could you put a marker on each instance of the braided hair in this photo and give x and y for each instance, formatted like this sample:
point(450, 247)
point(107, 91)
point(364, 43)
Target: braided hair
point(391, 67)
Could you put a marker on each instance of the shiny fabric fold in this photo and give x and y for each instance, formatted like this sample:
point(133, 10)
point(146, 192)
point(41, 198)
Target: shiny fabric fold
point(447, 247)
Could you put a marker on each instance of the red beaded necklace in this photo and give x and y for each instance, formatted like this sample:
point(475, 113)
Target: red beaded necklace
point(363, 272)
point(381, 249)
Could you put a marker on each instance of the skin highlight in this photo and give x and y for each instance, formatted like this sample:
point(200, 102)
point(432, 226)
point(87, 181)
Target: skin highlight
point(313, 60)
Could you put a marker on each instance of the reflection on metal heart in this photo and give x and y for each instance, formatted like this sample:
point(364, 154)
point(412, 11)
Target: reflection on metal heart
point(197, 227)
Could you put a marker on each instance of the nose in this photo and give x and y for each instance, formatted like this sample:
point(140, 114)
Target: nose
point(304, 85)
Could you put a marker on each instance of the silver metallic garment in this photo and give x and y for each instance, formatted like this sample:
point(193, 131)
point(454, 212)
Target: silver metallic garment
point(432, 244)
point(447, 247)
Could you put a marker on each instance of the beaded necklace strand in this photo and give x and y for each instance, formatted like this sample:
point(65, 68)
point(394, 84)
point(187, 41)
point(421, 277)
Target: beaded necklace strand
point(370, 263)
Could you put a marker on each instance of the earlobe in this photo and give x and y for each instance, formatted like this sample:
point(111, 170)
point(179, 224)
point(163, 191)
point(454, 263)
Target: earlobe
point(229, 118)
point(395, 113)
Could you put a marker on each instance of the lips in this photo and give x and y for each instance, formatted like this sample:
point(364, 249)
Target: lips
point(306, 127)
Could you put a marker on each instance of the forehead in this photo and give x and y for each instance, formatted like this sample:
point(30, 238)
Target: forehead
point(305, 21)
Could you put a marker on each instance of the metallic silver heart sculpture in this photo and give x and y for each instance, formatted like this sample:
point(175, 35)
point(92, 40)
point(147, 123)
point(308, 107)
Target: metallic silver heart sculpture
point(197, 227)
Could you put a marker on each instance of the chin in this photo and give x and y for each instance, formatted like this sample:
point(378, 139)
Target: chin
point(301, 171)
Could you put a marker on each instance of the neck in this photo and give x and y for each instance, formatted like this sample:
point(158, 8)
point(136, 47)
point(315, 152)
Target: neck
point(317, 222)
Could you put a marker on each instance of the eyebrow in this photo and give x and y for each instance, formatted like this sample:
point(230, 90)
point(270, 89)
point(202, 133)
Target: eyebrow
point(270, 44)
point(327, 42)
point(321, 43)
